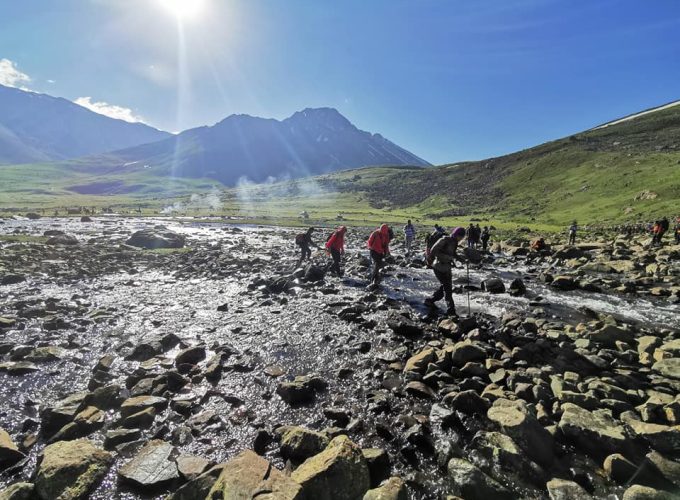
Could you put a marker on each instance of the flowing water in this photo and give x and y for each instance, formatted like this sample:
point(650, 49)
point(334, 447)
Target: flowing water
point(299, 332)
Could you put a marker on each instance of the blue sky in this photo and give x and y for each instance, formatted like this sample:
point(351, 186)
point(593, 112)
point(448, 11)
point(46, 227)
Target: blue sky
point(449, 80)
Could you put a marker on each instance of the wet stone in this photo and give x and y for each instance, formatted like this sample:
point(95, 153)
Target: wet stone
point(70, 469)
point(299, 443)
point(561, 489)
point(471, 483)
point(18, 491)
point(152, 466)
point(190, 356)
point(9, 452)
point(248, 475)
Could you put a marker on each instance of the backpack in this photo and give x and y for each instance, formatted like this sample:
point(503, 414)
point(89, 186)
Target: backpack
point(300, 239)
point(432, 239)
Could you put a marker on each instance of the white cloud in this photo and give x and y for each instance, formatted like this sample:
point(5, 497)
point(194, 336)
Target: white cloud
point(11, 76)
point(50, 81)
point(110, 110)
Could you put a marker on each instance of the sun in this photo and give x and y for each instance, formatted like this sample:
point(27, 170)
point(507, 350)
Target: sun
point(184, 9)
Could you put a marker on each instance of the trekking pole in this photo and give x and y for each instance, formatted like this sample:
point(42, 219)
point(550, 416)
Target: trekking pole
point(467, 265)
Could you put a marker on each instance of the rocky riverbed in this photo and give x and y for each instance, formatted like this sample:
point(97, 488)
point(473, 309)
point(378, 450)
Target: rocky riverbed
point(128, 372)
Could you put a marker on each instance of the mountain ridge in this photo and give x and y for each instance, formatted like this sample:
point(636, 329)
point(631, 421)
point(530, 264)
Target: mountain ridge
point(40, 127)
point(311, 141)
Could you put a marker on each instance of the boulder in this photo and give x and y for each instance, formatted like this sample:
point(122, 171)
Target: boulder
point(138, 403)
point(62, 239)
point(639, 492)
point(610, 335)
point(465, 352)
point(199, 487)
point(664, 467)
point(561, 489)
point(151, 467)
point(401, 325)
point(190, 356)
point(493, 285)
point(662, 438)
point(301, 390)
point(70, 469)
point(248, 475)
point(471, 483)
point(392, 489)
point(516, 421)
point(563, 283)
point(668, 367)
point(419, 362)
point(18, 491)
point(299, 443)
point(337, 473)
point(156, 238)
point(191, 466)
point(595, 432)
point(9, 452)
point(378, 462)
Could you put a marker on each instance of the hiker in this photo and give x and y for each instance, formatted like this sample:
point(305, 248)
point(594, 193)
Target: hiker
point(441, 259)
point(335, 246)
point(572, 233)
point(378, 244)
point(656, 229)
point(304, 241)
point(485, 238)
point(431, 239)
point(409, 234)
point(538, 245)
point(471, 235)
point(677, 231)
point(664, 225)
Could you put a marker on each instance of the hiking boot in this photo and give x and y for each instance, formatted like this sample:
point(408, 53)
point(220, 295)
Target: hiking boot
point(451, 312)
point(429, 302)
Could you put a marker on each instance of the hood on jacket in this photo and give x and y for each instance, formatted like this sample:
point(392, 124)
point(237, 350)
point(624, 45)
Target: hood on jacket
point(385, 231)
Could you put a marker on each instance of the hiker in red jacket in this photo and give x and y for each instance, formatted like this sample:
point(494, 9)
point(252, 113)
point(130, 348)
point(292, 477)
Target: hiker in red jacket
point(379, 245)
point(336, 247)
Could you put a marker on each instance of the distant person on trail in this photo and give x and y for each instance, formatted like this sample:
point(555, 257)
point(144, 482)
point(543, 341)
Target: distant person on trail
point(572, 233)
point(379, 246)
point(677, 231)
point(441, 259)
point(485, 238)
point(664, 226)
point(304, 241)
point(409, 234)
point(538, 245)
point(335, 246)
point(656, 229)
point(471, 235)
point(431, 239)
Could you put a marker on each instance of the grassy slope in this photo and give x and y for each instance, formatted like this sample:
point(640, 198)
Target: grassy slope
point(593, 176)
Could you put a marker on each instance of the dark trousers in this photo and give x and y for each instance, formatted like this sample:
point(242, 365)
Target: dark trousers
point(305, 253)
point(335, 267)
point(572, 238)
point(445, 290)
point(377, 259)
point(484, 244)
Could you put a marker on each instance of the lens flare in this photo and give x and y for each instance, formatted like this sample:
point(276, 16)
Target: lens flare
point(184, 9)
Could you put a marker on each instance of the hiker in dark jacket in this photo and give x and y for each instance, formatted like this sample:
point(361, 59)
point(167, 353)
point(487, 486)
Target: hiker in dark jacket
point(486, 235)
point(304, 241)
point(409, 234)
point(441, 258)
point(379, 246)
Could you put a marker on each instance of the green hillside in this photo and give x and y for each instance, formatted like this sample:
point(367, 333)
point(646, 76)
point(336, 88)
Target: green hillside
point(625, 171)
